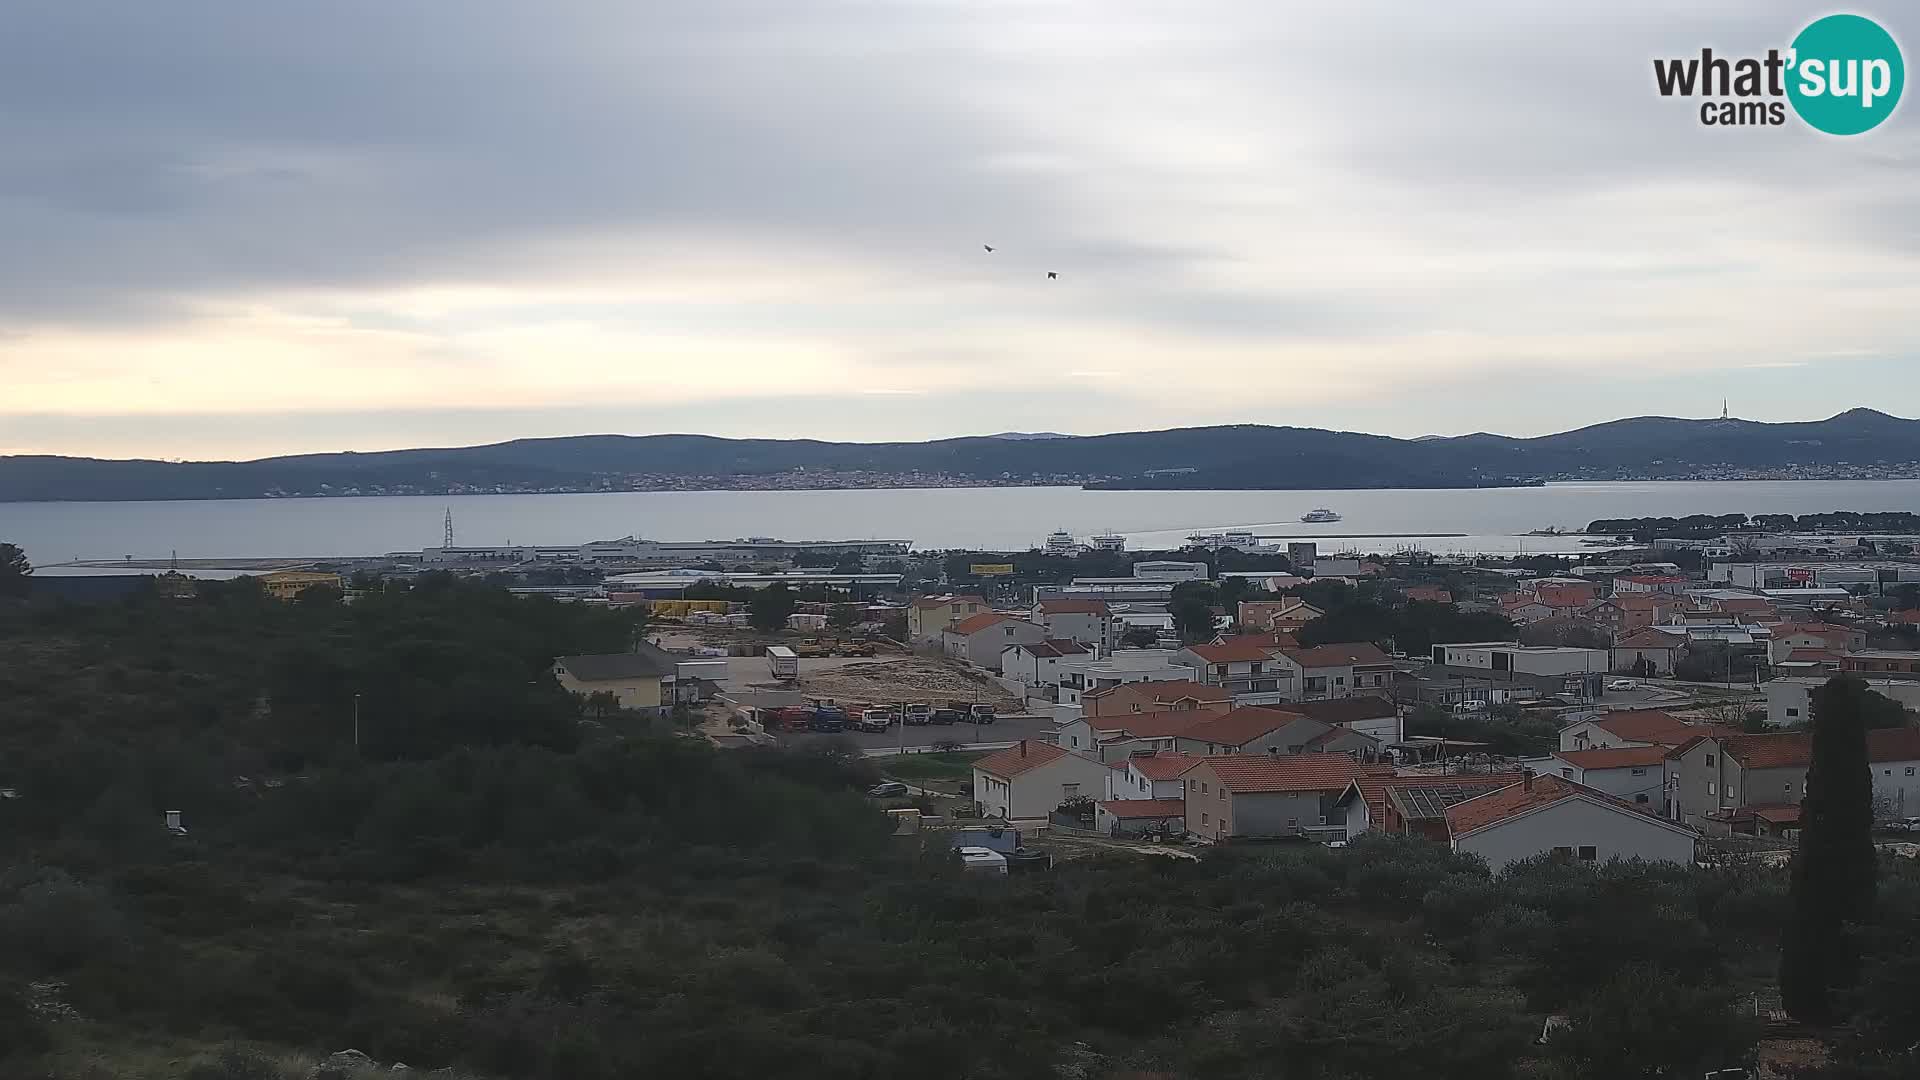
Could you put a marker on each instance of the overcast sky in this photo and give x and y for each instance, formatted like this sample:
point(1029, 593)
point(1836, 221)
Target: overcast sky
point(234, 228)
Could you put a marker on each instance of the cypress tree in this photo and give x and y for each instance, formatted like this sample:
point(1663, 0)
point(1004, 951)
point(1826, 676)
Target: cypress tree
point(1833, 869)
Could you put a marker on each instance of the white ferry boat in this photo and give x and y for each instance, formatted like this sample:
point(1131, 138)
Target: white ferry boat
point(1322, 514)
point(1061, 543)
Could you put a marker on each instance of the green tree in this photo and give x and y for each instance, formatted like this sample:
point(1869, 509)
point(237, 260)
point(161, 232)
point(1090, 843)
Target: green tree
point(1139, 637)
point(843, 616)
point(1192, 611)
point(770, 607)
point(1833, 869)
point(14, 571)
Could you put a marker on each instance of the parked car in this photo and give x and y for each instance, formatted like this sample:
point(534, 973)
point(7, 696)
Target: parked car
point(919, 714)
point(1623, 684)
point(875, 720)
point(1464, 707)
point(889, 790)
point(945, 717)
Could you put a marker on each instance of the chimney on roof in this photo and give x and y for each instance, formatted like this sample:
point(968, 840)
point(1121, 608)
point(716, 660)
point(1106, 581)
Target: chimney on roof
point(1023, 748)
point(1526, 779)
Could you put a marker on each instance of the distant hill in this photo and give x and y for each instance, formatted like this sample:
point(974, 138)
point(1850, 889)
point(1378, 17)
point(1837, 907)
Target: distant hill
point(1242, 456)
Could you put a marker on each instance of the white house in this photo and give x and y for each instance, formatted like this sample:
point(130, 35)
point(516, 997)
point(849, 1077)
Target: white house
point(1149, 776)
point(1089, 622)
point(1632, 727)
point(1240, 666)
point(1042, 663)
point(1030, 779)
point(1635, 774)
point(1550, 815)
point(1790, 699)
point(1336, 671)
point(978, 640)
point(1893, 755)
point(1087, 674)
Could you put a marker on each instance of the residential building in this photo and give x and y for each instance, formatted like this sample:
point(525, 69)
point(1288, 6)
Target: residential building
point(1885, 663)
point(287, 584)
point(1708, 777)
point(1504, 656)
point(979, 639)
point(1141, 817)
point(1337, 671)
point(1790, 698)
point(1648, 653)
point(1114, 739)
point(1370, 714)
point(1672, 584)
point(1337, 566)
point(929, 616)
point(1135, 698)
point(1087, 674)
point(1633, 727)
point(1286, 615)
point(1271, 731)
point(1549, 814)
point(1039, 664)
point(1241, 666)
point(1643, 609)
point(1427, 594)
point(1410, 805)
point(1031, 779)
point(1821, 636)
point(1256, 795)
point(1893, 754)
point(1564, 593)
point(1089, 622)
point(1149, 776)
point(1634, 774)
point(638, 680)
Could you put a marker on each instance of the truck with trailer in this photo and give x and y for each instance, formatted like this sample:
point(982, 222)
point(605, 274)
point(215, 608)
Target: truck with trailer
point(783, 663)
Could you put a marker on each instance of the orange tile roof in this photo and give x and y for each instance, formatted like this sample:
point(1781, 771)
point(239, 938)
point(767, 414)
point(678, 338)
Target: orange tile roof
point(1162, 766)
point(1242, 726)
point(1340, 655)
point(1515, 799)
point(1073, 607)
point(1234, 650)
point(1145, 808)
point(1151, 725)
point(1024, 756)
point(1160, 692)
point(1245, 774)
point(1619, 758)
point(1893, 744)
point(1429, 594)
point(1374, 789)
point(1779, 750)
point(975, 623)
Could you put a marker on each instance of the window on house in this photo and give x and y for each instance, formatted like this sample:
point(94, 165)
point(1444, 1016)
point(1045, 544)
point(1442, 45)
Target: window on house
point(1710, 788)
point(1223, 794)
point(1793, 712)
point(1339, 680)
point(1589, 853)
point(1563, 853)
point(1730, 791)
point(1068, 791)
point(1640, 799)
point(1293, 823)
point(1203, 787)
point(1909, 770)
point(1638, 772)
point(1568, 773)
point(1203, 817)
point(1136, 708)
point(1709, 761)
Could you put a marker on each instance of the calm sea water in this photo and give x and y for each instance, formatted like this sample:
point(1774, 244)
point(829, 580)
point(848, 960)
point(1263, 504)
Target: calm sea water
point(1494, 519)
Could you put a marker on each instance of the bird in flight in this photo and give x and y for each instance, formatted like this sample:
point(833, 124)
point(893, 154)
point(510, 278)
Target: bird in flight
point(1051, 275)
point(989, 247)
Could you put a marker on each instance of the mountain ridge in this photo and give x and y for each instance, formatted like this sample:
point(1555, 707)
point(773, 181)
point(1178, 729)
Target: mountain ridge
point(1218, 457)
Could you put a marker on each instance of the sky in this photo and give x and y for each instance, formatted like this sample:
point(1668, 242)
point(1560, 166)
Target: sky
point(234, 229)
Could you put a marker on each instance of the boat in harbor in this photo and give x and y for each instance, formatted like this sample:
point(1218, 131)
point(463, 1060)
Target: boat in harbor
point(1061, 543)
point(1109, 541)
point(1240, 540)
point(1320, 515)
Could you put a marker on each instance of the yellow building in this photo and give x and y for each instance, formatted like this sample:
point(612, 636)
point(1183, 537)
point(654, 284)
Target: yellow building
point(287, 584)
point(639, 680)
point(929, 616)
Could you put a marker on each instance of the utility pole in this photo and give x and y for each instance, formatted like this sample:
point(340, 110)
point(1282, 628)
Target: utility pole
point(356, 723)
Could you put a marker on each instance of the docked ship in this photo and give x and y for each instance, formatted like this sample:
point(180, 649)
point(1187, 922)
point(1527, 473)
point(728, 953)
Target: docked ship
point(1061, 543)
point(1108, 542)
point(1237, 539)
point(1320, 515)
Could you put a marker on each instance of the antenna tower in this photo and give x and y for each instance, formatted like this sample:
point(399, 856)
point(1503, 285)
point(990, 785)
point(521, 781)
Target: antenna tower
point(447, 541)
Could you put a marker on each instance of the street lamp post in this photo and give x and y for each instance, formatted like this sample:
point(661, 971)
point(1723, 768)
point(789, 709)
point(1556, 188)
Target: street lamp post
point(356, 723)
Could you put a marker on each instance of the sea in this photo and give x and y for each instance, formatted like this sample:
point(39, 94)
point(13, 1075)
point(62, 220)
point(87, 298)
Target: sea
point(1489, 520)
